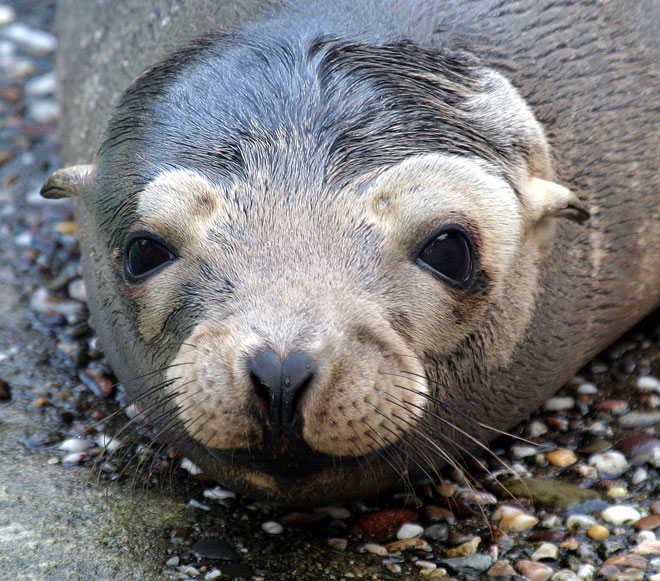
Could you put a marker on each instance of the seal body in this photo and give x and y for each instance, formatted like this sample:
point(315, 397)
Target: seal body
point(340, 245)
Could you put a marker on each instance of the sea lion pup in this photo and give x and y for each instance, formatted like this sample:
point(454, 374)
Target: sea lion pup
point(327, 251)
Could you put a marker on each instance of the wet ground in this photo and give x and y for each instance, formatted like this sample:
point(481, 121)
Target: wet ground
point(599, 441)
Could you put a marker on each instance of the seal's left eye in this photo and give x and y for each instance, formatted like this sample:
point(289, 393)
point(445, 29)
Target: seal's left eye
point(449, 255)
point(145, 255)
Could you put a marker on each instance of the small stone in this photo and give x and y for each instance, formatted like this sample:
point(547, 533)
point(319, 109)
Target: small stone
point(598, 532)
point(218, 493)
point(620, 514)
point(536, 429)
point(382, 524)
point(75, 458)
point(479, 497)
point(200, 505)
point(501, 569)
point(272, 527)
point(513, 519)
point(521, 451)
point(639, 419)
point(477, 563)
point(436, 513)
point(610, 464)
point(564, 575)
point(188, 571)
point(645, 536)
point(559, 403)
point(655, 507)
point(545, 551)
point(375, 549)
point(579, 521)
point(534, 571)
point(190, 467)
point(410, 531)
point(570, 544)
point(213, 574)
point(467, 548)
point(334, 512)
point(36, 41)
point(639, 475)
point(438, 532)
point(426, 565)
point(408, 544)
point(172, 561)
point(634, 561)
point(44, 110)
point(66, 227)
point(616, 407)
point(586, 572)
point(338, 543)
point(617, 492)
point(587, 389)
point(562, 457)
point(647, 548)
point(648, 383)
point(648, 523)
point(41, 85)
point(7, 15)
point(75, 445)
point(215, 548)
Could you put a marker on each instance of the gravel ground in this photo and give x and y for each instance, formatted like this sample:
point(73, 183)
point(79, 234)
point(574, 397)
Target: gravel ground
point(587, 506)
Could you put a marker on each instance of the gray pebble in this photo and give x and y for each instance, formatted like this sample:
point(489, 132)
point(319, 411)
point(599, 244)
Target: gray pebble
point(559, 403)
point(44, 110)
point(34, 40)
point(640, 419)
point(41, 85)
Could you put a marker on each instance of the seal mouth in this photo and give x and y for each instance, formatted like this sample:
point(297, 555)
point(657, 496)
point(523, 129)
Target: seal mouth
point(299, 460)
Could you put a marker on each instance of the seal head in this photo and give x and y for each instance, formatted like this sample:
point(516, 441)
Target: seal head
point(302, 254)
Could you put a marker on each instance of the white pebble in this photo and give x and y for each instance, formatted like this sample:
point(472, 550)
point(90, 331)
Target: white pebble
point(7, 14)
point(610, 463)
point(75, 445)
point(218, 493)
point(200, 505)
point(190, 467)
point(77, 290)
point(375, 549)
point(643, 536)
point(545, 551)
point(24, 239)
point(524, 451)
point(620, 514)
point(639, 475)
point(108, 443)
point(587, 389)
point(410, 531)
point(44, 110)
point(580, 521)
point(213, 575)
point(272, 527)
point(20, 68)
point(41, 85)
point(536, 429)
point(75, 458)
point(559, 403)
point(36, 41)
point(648, 383)
point(586, 572)
point(172, 562)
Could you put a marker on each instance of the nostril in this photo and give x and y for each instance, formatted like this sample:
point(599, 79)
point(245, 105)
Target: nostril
point(281, 384)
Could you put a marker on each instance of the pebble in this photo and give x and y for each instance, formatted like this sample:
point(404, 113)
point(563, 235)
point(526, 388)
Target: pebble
point(598, 532)
point(215, 548)
point(436, 513)
point(648, 383)
point(586, 572)
point(375, 549)
point(7, 14)
point(587, 389)
point(564, 575)
point(513, 519)
point(36, 41)
point(75, 445)
point(334, 512)
point(213, 574)
point(407, 544)
point(639, 419)
point(200, 505)
point(545, 551)
point(75, 458)
point(218, 493)
point(559, 403)
point(524, 451)
point(173, 561)
point(438, 532)
point(647, 548)
point(534, 571)
point(468, 548)
point(44, 110)
point(338, 543)
point(77, 291)
point(190, 467)
point(501, 569)
point(648, 523)
point(620, 514)
point(469, 565)
point(41, 85)
point(272, 527)
point(640, 475)
point(410, 531)
point(610, 464)
point(628, 560)
point(562, 457)
point(580, 521)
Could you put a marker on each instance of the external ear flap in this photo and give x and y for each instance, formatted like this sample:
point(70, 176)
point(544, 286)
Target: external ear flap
point(66, 182)
point(548, 199)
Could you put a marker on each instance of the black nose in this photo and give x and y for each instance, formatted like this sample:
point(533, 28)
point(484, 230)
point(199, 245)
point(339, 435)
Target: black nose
point(281, 383)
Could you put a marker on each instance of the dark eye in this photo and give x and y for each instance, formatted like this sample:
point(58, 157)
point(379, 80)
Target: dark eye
point(144, 255)
point(450, 255)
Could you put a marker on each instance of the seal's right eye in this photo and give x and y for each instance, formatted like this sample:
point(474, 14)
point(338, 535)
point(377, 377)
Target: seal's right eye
point(143, 256)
